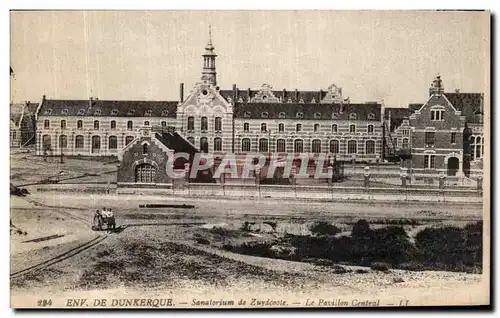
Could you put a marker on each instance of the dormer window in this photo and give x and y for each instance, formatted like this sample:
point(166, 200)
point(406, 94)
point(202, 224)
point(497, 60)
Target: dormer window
point(282, 115)
point(114, 112)
point(247, 114)
point(48, 111)
point(164, 113)
point(240, 100)
point(371, 116)
point(97, 112)
point(148, 113)
point(353, 116)
point(300, 115)
point(64, 112)
point(317, 115)
point(131, 112)
point(335, 116)
point(301, 101)
point(313, 100)
point(81, 112)
point(289, 100)
point(264, 114)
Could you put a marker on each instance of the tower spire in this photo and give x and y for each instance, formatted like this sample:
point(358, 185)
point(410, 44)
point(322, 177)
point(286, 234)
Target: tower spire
point(210, 34)
point(209, 75)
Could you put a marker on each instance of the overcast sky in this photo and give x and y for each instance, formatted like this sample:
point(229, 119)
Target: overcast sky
point(144, 55)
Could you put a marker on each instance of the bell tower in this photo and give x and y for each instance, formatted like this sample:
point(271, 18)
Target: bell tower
point(209, 75)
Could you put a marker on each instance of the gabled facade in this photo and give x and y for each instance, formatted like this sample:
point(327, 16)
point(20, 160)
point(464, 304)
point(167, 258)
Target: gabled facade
point(22, 124)
point(143, 162)
point(437, 135)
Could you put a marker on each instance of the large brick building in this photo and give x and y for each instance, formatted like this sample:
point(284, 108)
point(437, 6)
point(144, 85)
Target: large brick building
point(96, 127)
point(218, 121)
point(447, 132)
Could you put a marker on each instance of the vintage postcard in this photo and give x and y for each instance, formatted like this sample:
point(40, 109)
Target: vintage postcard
point(249, 159)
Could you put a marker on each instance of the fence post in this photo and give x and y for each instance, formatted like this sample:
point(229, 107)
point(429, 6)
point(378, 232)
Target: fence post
point(257, 180)
point(186, 181)
point(367, 179)
point(403, 183)
point(480, 185)
point(441, 184)
point(222, 183)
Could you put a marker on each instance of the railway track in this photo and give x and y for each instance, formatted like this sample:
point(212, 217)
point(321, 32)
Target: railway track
point(72, 252)
point(59, 258)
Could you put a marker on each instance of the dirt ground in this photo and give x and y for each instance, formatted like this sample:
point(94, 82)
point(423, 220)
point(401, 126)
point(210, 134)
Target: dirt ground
point(157, 250)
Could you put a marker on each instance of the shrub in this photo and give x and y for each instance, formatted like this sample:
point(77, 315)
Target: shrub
point(380, 266)
point(361, 271)
point(324, 228)
point(392, 245)
point(361, 229)
point(444, 247)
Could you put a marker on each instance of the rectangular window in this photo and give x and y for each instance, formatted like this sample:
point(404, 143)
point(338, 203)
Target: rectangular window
point(334, 128)
point(298, 127)
point(204, 124)
point(246, 127)
point(437, 115)
point(406, 132)
point(79, 124)
point(281, 128)
point(190, 123)
point(218, 123)
point(429, 138)
point(453, 138)
point(430, 161)
point(352, 128)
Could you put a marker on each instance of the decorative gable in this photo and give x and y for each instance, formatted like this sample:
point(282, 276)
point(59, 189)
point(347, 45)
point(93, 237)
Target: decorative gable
point(333, 95)
point(265, 95)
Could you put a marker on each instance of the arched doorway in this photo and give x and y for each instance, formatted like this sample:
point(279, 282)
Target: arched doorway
point(453, 166)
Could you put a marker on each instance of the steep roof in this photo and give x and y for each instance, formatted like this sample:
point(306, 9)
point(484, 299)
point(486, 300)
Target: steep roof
point(309, 111)
point(470, 104)
point(112, 108)
point(16, 113)
point(415, 106)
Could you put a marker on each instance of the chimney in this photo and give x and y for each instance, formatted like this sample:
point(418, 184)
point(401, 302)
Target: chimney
point(296, 95)
point(249, 91)
point(320, 95)
point(457, 90)
point(284, 95)
point(91, 102)
point(237, 94)
point(234, 94)
point(181, 92)
point(43, 97)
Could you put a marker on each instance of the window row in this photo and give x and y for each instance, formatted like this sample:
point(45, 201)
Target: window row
point(204, 123)
point(298, 146)
point(316, 115)
point(430, 138)
point(80, 142)
point(97, 124)
point(298, 128)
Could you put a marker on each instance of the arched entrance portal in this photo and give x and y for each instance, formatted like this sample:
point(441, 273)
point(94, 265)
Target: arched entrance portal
point(453, 166)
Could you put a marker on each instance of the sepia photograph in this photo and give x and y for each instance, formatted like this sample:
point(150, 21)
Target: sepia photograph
point(249, 159)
